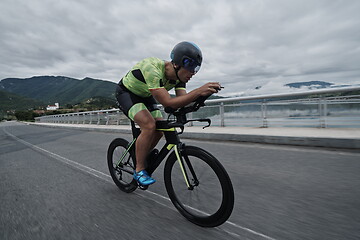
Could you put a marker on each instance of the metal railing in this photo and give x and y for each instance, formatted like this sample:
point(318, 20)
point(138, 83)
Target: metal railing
point(313, 108)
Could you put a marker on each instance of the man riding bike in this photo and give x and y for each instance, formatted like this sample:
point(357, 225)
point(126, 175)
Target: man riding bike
point(149, 81)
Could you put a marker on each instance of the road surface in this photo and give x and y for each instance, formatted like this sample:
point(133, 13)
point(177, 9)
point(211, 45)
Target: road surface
point(54, 184)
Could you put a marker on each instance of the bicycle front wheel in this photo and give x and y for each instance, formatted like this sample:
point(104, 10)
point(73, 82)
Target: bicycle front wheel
point(208, 198)
point(121, 164)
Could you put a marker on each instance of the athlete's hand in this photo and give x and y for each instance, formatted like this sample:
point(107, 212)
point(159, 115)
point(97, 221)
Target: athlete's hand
point(209, 88)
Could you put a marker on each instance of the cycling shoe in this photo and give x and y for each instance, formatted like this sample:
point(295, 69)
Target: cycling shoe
point(143, 178)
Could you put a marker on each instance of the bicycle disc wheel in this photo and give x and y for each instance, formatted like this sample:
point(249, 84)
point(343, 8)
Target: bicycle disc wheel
point(210, 199)
point(121, 164)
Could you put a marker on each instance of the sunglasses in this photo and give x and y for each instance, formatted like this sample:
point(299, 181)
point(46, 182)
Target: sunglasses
point(191, 65)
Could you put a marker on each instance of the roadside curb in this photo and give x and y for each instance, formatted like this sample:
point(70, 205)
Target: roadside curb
point(281, 140)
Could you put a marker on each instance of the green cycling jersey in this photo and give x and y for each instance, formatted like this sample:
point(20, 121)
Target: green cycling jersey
point(149, 74)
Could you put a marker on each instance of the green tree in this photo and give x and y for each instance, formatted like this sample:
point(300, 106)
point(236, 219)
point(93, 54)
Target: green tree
point(26, 115)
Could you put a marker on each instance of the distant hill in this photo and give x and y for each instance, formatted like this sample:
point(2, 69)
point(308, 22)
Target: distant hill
point(310, 84)
point(64, 90)
point(10, 101)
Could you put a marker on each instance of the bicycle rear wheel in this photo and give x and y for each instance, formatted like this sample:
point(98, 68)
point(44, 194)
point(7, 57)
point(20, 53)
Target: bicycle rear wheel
point(121, 164)
point(210, 199)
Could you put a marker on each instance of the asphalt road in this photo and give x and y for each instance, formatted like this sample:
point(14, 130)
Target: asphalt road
point(54, 184)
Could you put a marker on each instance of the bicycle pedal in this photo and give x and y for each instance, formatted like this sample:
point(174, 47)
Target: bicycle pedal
point(143, 187)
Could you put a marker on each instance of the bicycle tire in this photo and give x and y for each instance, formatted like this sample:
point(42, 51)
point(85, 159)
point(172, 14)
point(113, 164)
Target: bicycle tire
point(213, 179)
point(122, 174)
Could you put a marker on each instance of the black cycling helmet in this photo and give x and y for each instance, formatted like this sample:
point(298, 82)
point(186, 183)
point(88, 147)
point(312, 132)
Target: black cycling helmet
point(187, 55)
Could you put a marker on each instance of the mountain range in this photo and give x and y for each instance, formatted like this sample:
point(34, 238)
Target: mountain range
point(64, 90)
point(10, 101)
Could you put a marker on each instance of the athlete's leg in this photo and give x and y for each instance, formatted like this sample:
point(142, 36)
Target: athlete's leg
point(147, 139)
point(158, 135)
point(143, 111)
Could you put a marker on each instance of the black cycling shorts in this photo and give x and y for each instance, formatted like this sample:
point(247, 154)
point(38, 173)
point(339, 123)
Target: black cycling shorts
point(130, 104)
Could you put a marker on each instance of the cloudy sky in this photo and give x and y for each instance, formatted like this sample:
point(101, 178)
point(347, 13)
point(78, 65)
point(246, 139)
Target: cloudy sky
point(245, 43)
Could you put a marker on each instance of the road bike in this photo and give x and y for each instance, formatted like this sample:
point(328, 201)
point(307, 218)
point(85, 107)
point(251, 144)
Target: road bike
point(196, 182)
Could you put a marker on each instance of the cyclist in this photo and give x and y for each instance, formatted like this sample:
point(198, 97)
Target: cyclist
point(149, 81)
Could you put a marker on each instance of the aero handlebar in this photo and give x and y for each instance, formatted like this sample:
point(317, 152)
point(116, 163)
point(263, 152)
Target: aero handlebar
point(180, 114)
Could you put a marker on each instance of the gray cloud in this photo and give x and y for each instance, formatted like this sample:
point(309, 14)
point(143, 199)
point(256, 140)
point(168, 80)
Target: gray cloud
point(245, 43)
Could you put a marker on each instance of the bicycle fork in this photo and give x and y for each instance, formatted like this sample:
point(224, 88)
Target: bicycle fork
point(180, 155)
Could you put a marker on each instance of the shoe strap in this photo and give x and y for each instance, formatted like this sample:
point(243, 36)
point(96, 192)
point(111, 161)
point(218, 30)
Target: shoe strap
point(142, 174)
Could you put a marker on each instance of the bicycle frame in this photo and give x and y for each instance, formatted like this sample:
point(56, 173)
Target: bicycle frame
point(172, 143)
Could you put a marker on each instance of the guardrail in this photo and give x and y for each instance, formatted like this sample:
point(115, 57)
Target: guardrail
point(313, 108)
